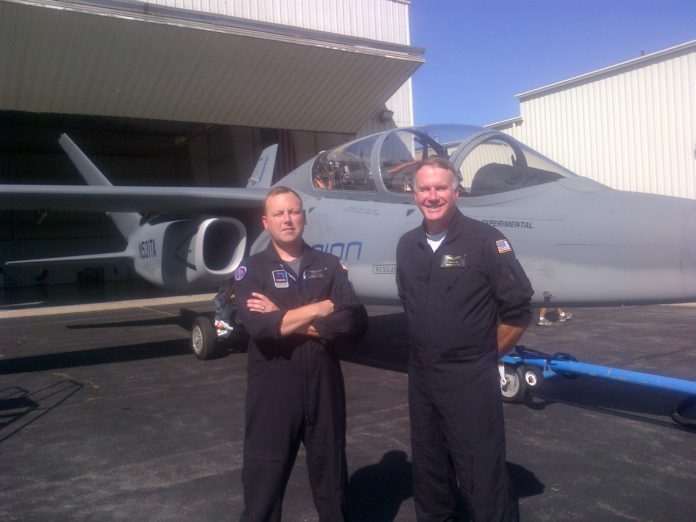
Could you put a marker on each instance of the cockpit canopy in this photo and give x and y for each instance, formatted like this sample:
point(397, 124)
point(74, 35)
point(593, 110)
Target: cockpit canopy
point(488, 162)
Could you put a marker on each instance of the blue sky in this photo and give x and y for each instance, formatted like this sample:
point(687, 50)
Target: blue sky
point(479, 53)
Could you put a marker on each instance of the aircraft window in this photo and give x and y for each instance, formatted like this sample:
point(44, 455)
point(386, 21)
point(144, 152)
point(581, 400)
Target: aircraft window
point(344, 168)
point(398, 157)
point(500, 166)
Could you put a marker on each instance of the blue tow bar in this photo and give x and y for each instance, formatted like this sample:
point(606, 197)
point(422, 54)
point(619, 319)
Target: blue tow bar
point(521, 364)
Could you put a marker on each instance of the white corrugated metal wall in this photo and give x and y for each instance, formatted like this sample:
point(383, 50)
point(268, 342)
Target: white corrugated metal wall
point(631, 126)
point(384, 20)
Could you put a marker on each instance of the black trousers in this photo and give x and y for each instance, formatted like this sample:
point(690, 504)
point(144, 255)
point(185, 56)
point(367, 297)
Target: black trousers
point(458, 441)
point(291, 402)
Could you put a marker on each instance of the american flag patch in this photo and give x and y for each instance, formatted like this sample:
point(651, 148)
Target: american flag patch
point(503, 246)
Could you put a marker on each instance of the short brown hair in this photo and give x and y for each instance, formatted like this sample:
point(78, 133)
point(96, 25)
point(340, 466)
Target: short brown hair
point(276, 191)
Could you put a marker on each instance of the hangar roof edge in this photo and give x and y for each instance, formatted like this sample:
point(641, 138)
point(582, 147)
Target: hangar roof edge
point(612, 69)
point(169, 64)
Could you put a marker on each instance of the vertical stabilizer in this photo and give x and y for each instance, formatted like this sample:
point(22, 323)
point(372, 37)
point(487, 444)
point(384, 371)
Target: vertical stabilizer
point(262, 177)
point(126, 222)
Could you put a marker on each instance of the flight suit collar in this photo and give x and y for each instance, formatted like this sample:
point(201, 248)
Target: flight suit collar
point(454, 229)
point(308, 255)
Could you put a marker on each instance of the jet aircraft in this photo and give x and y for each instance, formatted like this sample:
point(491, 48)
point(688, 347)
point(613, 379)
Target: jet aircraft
point(580, 242)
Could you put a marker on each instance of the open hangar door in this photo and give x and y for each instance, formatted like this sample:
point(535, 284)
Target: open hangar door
point(129, 152)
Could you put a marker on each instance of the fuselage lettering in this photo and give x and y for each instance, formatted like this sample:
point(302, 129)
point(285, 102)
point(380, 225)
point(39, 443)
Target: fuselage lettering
point(344, 251)
point(147, 249)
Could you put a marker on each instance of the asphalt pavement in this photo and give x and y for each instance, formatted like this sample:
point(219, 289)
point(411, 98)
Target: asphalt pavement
point(106, 415)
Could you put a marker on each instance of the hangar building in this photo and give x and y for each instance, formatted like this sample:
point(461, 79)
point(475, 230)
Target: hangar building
point(631, 126)
point(182, 92)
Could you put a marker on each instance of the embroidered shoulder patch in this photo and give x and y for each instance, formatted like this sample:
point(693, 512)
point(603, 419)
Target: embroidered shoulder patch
point(503, 246)
point(240, 273)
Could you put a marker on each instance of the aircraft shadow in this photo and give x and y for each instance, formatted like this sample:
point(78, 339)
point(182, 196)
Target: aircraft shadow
point(385, 345)
point(111, 354)
point(184, 320)
point(610, 397)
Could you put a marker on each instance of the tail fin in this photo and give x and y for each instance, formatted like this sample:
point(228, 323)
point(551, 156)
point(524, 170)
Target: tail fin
point(126, 222)
point(262, 177)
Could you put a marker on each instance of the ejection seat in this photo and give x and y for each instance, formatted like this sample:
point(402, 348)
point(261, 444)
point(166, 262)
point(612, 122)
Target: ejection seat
point(497, 177)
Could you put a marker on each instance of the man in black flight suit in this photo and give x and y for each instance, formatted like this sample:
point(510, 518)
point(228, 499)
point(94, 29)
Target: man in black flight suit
point(467, 300)
point(294, 301)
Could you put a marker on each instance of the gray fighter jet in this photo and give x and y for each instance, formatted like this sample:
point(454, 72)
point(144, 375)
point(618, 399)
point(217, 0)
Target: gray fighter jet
point(579, 241)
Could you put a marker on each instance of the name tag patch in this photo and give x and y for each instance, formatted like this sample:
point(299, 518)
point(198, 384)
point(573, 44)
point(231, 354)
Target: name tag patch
point(280, 279)
point(448, 261)
point(315, 274)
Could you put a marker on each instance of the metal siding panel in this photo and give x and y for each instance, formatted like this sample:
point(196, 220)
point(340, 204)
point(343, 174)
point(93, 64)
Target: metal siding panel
point(383, 20)
point(635, 130)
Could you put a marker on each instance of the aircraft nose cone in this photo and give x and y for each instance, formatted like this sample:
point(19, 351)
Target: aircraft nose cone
point(688, 255)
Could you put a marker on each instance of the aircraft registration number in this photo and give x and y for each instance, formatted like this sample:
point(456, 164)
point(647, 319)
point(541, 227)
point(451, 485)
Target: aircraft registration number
point(147, 249)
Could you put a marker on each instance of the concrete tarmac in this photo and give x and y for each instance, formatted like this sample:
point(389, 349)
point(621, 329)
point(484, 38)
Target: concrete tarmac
point(106, 415)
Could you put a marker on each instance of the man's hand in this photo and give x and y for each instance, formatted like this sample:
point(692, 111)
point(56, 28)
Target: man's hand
point(508, 336)
point(260, 303)
point(324, 308)
point(297, 320)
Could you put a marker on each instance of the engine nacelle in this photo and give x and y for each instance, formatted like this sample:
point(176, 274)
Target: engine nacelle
point(179, 254)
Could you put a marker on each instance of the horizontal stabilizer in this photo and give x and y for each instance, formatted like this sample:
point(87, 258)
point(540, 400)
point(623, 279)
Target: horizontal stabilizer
point(115, 256)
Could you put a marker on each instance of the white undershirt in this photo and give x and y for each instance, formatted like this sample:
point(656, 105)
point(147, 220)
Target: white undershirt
point(435, 240)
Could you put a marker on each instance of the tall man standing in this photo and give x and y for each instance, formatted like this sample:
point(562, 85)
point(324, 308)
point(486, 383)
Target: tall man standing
point(294, 302)
point(467, 300)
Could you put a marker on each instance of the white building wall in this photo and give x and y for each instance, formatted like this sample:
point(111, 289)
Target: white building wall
point(384, 20)
point(631, 126)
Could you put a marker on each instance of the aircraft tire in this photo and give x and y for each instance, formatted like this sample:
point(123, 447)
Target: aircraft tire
point(203, 339)
point(533, 376)
point(515, 389)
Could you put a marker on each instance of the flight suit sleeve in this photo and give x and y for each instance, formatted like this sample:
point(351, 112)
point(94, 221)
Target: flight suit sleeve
point(349, 319)
point(511, 287)
point(259, 326)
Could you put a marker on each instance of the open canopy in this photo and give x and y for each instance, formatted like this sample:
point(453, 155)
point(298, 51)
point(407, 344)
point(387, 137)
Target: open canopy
point(488, 162)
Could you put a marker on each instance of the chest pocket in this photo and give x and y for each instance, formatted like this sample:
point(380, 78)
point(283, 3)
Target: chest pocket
point(452, 277)
point(452, 268)
point(317, 282)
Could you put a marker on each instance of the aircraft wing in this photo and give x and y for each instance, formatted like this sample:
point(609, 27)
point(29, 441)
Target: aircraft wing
point(72, 259)
point(157, 200)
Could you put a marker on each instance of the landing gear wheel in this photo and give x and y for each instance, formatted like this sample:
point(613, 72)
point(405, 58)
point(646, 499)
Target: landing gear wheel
point(203, 339)
point(533, 377)
point(685, 412)
point(515, 388)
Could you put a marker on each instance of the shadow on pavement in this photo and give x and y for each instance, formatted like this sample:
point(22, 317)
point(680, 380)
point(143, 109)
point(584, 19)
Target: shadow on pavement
point(610, 397)
point(375, 492)
point(54, 361)
point(184, 320)
point(19, 407)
